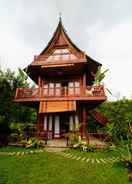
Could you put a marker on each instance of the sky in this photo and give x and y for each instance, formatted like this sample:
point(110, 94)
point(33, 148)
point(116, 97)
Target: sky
point(101, 28)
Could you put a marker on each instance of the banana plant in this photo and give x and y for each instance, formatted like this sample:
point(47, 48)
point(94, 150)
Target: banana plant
point(99, 76)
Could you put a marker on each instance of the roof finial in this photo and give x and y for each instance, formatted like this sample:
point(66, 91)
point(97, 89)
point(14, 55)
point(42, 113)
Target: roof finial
point(60, 15)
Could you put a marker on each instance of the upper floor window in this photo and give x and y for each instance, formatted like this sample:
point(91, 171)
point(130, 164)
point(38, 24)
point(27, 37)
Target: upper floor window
point(52, 88)
point(74, 88)
point(64, 88)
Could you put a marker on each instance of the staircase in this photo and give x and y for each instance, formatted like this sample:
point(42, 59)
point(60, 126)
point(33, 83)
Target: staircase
point(99, 117)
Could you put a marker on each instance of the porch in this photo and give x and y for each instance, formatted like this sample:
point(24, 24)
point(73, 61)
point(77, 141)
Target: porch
point(57, 129)
point(97, 140)
point(57, 125)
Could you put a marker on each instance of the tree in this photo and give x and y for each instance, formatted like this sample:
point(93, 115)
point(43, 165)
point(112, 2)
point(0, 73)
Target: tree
point(119, 115)
point(9, 111)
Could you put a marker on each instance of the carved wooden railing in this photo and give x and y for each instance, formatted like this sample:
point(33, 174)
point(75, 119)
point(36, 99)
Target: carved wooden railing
point(94, 91)
point(27, 93)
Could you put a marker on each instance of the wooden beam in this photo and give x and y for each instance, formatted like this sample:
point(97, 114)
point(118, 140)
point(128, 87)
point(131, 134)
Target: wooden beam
point(56, 65)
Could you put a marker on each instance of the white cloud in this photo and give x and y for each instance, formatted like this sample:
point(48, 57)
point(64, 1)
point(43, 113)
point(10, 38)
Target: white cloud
point(114, 50)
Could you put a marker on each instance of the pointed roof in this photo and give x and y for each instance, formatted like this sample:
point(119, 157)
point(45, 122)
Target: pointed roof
point(60, 39)
point(61, 52)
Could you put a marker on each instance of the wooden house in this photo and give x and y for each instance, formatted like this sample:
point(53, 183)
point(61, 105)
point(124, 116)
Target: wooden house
point(65, 94)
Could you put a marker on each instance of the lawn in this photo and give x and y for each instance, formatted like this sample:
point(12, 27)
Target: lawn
point(52, 168)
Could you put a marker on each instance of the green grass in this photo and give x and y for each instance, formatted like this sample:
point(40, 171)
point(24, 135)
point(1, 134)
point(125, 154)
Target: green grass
point(50, 168)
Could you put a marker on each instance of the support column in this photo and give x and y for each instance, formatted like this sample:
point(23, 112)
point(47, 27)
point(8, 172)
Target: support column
point(84, 124)
point(39, 85)
point(84, 84)
point(38, 124)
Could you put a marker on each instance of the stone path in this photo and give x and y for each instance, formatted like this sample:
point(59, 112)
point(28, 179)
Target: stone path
point(20, 153)
point(109, 160)
point(55, 149)
point(89, 160)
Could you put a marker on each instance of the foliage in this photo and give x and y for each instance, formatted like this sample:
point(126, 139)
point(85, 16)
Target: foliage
point(4, 131)
point(99, 76)
point(34, 143)
point(10, 111)
point(21, 131)
point(17, 130)
point(127, 145)
point(119, 115)
point(72, 137)
point(82, 145)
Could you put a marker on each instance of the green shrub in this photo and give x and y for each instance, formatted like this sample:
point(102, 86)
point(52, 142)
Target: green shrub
point(34, 143)
point(82, 145)
point(4, 131)
point(21, 131)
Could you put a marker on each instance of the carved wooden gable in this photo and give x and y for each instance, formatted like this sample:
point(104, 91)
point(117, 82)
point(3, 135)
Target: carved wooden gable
point(61, 47)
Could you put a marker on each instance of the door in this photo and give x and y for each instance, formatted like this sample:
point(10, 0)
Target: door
point(57, 126)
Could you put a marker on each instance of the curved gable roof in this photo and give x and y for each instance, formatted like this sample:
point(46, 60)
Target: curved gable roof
point(60, 38)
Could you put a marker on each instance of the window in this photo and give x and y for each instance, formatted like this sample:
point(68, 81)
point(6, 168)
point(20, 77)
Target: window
point(45, 89)
point(74, 122)
point(77, 87)
point(51, 89)
point(45, 123)
point(71, 123)
point(74, 88)
point(61, 54)
point(50, 122)
point(58, 89)
point(71, 88)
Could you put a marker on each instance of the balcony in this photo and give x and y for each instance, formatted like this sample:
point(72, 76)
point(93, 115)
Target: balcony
point(63, 93)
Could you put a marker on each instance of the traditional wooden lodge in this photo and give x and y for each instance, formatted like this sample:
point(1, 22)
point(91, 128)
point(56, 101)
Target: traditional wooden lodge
point(65, 94)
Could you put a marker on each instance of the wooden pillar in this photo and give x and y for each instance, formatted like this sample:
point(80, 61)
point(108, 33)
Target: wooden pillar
point(84, 123)
point(39, 81)
point(38, 124)
point(84, 83)
point(39, 85)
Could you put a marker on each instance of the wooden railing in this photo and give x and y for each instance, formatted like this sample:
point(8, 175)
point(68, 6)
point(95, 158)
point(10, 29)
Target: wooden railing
point(94, 91)
point(27, 93)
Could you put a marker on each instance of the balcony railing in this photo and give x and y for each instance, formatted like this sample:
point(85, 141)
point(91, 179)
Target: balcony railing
point(27, 93)
point(94, 91)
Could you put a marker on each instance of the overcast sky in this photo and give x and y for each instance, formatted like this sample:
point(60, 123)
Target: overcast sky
point(102, 28)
